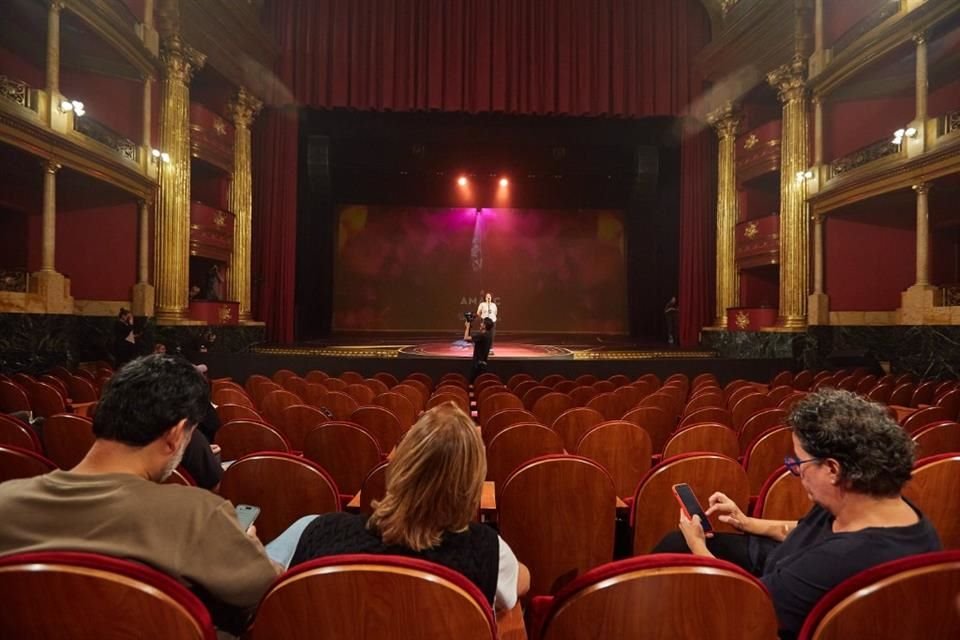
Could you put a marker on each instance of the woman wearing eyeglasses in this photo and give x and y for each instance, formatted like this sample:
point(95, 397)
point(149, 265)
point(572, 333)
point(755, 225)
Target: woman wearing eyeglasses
point(853, 461)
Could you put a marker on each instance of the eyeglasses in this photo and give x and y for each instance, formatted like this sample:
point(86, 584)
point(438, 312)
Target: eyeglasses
point(793, 464)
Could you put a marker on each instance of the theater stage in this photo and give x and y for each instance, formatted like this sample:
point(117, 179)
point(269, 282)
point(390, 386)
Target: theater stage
point(537, 354)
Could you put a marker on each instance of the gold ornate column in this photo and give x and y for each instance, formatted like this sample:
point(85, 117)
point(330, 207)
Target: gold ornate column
point(172, 234)
point(49, 221)
point(919, 143)
point(726, 120)
point(789, 80)
point(923, 234)
point(818, 310)
point(53, 58)
point(920, 298)
point(243, 108)
point(52, 288)
point(143, 292)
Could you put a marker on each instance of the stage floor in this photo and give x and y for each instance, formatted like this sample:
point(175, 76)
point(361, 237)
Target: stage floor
point(506, 347)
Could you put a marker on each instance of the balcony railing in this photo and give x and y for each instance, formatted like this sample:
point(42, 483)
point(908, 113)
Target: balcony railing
point(864, 155)
point(949, 296)
point(18, 91)
point(13, 280)
point(106, 136)
point(948, 123)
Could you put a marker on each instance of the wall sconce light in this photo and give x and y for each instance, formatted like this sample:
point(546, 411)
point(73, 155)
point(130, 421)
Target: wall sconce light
point(160, 156)
point(803, 176)
point(898, 135)
point(72, 105)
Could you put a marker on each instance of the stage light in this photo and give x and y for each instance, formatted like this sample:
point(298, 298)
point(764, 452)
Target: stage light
point(72, 105)
point(462, 181)
point(504, 183)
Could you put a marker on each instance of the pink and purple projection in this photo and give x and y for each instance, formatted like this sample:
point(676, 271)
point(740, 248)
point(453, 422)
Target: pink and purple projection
point(419, 268)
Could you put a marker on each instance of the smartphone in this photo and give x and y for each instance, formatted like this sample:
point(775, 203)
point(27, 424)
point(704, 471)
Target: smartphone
point(691, 506)
point(246, 514)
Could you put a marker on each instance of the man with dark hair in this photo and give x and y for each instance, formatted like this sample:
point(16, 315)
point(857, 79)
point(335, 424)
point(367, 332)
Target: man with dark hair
point(112, 502)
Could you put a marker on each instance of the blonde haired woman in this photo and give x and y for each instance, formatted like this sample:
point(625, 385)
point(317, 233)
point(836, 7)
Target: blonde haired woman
point(433, 493)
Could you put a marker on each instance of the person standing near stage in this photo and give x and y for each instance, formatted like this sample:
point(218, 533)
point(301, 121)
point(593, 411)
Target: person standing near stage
point(670, 316)
point(481, 347)
point(488, 309)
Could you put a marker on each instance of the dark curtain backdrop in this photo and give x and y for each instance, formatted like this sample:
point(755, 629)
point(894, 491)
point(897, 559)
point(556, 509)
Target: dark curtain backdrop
point(697, 290)
point(620, 58)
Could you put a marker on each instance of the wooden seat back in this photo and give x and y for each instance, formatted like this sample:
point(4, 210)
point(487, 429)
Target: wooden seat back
point(716, 438)
point(64, 594)
point(624, 599)
point(67, 438)
point(267, 480)
point(558, 514)
point(382, 424)
point(242, 437)
point(654, 511)
point(345, 451)
point(516, 445)
point(347, 593)
point(623, 449)
point(934, 487)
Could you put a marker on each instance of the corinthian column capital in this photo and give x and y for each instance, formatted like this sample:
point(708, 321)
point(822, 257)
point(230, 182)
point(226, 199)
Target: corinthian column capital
point(180, 60)
point(789, 80)
point(725, 119)
point(244, 108)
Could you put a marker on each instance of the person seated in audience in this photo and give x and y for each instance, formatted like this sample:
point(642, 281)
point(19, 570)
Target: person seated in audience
point(853, 461)
point(112, 502)
point(434, 485)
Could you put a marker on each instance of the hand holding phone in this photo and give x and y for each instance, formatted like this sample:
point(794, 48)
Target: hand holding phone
point(691, 506)
point(246, 515)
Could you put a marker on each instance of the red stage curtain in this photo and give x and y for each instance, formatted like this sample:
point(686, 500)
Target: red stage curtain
point(570, 57)
point(619, 58)
point(697, 289)
point(275, 142)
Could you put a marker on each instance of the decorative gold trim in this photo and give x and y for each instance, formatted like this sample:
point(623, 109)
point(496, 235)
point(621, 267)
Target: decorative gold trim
point(726, 121)
point(172, 215)
point(243, 108)
point(789, 81)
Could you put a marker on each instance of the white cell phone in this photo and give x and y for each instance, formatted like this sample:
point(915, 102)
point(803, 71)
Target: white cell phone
point(246, 515)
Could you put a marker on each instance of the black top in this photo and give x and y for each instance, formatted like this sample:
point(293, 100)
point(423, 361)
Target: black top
point(200, 463)
point(481, 346)
point(475, 553)
point(813, 559)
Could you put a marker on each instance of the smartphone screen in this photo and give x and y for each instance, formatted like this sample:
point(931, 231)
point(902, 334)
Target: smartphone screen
point(691, 505)
point(246, 514)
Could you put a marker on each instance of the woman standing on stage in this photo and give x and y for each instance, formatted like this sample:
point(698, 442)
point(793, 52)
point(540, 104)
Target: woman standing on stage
point(488, 309)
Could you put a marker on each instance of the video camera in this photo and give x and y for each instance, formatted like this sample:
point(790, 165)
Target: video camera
point(469, 316)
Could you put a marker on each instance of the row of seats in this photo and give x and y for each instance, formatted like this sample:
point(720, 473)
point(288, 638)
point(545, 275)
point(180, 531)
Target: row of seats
point(656, 596)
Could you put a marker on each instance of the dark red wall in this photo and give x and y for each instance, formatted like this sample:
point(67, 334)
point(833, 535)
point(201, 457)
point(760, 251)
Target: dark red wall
point(13, 239)
point(114, 102)
point(97, 250)
point(944, 99)
point(853, 124)
point(760, 287)
point(870, 254)
point(17, 67)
